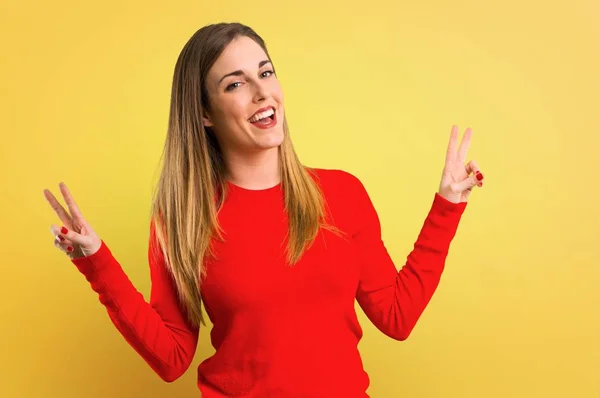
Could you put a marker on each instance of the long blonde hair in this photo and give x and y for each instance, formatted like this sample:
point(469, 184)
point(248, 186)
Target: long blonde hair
point(192, 185)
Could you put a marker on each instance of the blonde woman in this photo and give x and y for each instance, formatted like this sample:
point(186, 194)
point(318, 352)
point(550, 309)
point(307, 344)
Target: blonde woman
point(276, 252)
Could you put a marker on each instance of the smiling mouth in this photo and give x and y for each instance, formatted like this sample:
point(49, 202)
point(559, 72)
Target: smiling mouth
point(264, 120)
point(264, 116)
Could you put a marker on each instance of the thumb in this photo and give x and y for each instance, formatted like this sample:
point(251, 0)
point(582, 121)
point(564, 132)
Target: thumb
point(72, 236)
point(469, 182)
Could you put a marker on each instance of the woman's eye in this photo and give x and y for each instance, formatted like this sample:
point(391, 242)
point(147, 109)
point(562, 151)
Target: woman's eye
point(235, 85)
point(232, 86)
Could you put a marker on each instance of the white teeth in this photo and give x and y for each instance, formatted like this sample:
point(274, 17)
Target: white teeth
point(261, 115)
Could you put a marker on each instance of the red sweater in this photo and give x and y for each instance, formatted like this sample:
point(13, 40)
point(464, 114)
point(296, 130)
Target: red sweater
point(282, 331)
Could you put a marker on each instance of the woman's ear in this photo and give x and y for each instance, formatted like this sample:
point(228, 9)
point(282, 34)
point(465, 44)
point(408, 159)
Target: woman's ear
point(206, 120)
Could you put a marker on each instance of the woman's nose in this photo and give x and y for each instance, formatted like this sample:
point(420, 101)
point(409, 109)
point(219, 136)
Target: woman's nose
point(260, 92)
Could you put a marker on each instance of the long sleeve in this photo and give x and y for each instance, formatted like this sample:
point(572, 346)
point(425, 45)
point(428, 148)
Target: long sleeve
point(158, 329)
point(394, 300)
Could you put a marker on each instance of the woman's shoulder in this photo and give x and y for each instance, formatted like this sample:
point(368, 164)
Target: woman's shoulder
point(336, 179)
point(342, 189)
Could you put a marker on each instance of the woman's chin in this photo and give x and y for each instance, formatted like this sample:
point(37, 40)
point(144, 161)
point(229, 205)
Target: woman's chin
point(269, 140)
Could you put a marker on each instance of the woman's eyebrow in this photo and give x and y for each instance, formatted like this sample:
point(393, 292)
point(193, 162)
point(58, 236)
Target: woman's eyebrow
point(239, 72)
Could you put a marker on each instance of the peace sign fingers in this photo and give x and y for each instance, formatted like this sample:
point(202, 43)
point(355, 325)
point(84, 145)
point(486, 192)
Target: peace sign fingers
point(464, 146)
point(60, 211)
point(76, 232)
point(456, 153)
point(73, 208)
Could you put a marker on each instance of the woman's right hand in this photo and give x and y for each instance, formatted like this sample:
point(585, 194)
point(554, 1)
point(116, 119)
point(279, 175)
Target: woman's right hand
point(75, 237)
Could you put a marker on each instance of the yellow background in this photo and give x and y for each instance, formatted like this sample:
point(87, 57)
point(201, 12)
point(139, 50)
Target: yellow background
point(370, 87)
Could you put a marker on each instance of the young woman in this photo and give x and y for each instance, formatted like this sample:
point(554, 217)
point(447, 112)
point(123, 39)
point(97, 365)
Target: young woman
point(277, 252)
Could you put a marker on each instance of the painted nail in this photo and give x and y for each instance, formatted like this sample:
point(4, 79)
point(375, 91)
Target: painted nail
point(69, 249)
point(64, 230)
point(479, 176)
point(61, 238)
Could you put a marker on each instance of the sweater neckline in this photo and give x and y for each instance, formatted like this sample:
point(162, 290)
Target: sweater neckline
point(246, 191)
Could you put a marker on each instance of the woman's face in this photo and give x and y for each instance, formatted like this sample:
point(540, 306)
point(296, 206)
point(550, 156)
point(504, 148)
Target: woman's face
point(240, 83)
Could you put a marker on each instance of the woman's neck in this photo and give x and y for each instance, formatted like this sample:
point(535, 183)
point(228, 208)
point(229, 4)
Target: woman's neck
point(259, 170)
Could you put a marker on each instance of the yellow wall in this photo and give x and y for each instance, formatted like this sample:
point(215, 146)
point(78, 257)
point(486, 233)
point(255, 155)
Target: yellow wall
point(372, 88)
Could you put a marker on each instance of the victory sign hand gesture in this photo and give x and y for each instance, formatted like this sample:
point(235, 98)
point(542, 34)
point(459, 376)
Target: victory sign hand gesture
point(458, 177)
point(75, 237)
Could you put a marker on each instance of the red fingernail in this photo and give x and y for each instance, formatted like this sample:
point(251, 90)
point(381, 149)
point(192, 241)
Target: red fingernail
point(64, 230)
point(61, 238)
point(69, 249)
point(480, 184)
point(479, 176)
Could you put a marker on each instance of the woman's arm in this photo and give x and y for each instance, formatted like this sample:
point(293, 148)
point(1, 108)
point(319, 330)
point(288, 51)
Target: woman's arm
point(157, 329)
point(394, 300)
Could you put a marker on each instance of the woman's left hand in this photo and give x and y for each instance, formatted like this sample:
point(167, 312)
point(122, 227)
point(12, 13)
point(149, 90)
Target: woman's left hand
point(458, 177)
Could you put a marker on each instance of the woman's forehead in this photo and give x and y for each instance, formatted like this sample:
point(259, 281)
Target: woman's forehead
point(242, 53)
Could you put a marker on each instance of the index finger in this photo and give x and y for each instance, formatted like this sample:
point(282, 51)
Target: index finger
point(73, 208)
point(464, 145)
point(60, 211)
